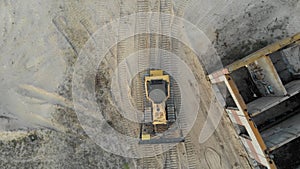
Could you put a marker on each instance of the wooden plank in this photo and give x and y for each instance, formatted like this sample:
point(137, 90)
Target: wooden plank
point(282, 133)
point(264, 103)
point(293, 87)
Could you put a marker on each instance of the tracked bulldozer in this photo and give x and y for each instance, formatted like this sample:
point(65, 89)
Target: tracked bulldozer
point(159, 111)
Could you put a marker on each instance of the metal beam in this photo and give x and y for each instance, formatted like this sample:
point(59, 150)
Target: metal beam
point(249, 125)
point(263, 52)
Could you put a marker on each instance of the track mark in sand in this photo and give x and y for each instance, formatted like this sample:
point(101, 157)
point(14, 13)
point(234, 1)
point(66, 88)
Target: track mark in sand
point(191, 155)
point(59, 23)
point(213, 158)
point(172, 161)
point(41, 94)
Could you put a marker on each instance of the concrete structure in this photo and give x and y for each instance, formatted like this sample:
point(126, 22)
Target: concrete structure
point(264, 98)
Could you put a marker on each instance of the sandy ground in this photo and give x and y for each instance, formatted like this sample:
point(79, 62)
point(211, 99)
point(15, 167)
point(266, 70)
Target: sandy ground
point(40, 42)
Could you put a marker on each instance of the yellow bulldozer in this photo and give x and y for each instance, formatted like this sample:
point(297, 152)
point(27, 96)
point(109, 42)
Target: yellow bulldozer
point(159, 112)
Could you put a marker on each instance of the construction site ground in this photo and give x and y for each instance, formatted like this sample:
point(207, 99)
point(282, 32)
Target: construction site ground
point(41, 40)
